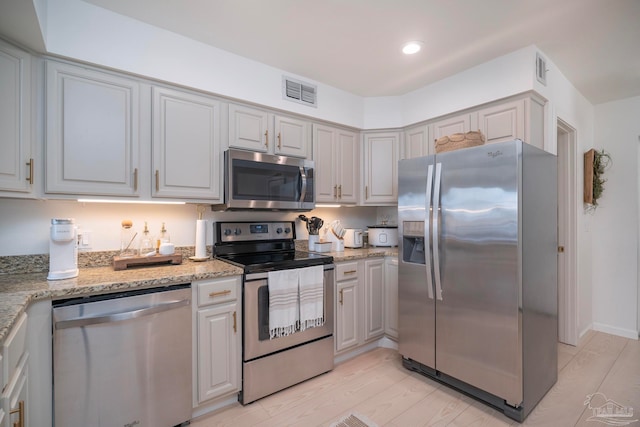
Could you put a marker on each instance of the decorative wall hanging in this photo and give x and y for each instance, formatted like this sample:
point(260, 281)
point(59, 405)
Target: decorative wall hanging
point(595, 163)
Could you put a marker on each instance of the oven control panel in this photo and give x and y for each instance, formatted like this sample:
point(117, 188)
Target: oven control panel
point(247, 231)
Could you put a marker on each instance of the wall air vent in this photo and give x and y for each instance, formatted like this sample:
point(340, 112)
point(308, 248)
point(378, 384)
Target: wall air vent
point(541, 69)
point(297, 91)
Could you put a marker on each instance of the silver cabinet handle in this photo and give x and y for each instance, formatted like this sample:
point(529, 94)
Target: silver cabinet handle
point(436, 218)
point(303, 188)
point(118, 317)
point(30, 177)
point(427, 231)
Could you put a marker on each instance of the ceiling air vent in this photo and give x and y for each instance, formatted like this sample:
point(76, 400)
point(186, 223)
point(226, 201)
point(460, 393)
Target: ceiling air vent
point(297, 91)
point(541, 69)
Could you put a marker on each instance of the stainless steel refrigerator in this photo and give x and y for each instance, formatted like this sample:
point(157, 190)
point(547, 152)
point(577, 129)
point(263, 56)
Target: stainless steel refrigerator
point(478, 271)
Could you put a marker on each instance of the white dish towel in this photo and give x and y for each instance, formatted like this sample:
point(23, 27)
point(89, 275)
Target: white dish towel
point(311, 297)
point(284, 312)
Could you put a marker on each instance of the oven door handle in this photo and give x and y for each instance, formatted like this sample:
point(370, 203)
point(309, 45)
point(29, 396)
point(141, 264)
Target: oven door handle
point(303, 184)
point(265, 275)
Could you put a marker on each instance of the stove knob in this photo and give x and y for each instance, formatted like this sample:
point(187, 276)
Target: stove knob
point(227, 231)
point(279, 230)
point(237, 232)
point(287, 230)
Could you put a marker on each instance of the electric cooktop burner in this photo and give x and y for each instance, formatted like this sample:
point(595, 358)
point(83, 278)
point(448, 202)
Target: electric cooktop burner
point(262, 246)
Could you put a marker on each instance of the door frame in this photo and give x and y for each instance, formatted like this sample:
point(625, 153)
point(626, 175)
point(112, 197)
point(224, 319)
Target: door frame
point(567, 233)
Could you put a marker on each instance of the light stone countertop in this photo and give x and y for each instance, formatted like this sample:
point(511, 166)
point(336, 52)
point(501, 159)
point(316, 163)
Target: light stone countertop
point(362, 253)
point(18, 290)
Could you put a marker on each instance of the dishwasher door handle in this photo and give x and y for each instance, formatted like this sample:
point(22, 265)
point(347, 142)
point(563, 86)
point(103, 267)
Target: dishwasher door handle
point(79, 322)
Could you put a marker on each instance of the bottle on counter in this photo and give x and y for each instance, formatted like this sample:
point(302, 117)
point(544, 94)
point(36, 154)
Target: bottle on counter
point(146, 242)
point(128, 246)
point(163, 237)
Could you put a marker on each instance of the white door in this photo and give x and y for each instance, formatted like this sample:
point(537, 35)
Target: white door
point(92, 144)
point(248, 128)
point(186, 145)
point(373, 298)
point(324, 156)
point(16, 162)
point(346, 314)
point(217, 351)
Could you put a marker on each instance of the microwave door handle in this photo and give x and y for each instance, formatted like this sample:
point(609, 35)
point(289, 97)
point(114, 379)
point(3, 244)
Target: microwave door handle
point(303, 184)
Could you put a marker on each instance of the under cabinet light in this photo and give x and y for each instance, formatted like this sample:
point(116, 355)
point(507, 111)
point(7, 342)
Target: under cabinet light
point(322, 205)
point(139, 202)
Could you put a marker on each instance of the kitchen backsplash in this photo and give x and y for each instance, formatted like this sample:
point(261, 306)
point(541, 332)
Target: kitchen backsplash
point(25, 223)
point(22, 264)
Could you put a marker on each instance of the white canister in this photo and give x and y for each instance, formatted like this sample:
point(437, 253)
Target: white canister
point(383, 235)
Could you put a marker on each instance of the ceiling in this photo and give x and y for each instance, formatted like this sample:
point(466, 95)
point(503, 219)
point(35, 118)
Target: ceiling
point(355, 45)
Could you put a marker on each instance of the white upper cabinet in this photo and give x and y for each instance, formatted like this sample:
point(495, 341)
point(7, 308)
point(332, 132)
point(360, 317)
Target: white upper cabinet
point(457, 124)
point(258, 130)
point(503, 122)
point(292, 137)
point(416, 142)
point(381, 153)
point(186, 145)
point(248, 128)
point(92, 141)
point(16, 158)
point(335, 154)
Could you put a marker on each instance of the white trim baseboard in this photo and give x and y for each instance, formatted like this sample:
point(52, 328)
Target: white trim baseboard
point(614, 330)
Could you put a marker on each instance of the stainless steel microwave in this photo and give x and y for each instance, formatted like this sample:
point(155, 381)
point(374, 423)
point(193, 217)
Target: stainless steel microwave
point(263, 181)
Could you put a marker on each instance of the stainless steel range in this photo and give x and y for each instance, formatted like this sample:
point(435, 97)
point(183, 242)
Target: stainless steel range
point(271, 359)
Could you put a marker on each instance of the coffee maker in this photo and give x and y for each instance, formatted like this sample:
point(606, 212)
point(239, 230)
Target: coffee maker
point(63, 249)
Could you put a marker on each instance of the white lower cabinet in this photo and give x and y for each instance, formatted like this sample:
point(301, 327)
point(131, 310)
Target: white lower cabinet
point(347, 315)
point(373, 298)
point(14, 400)
point(360, 303)
point(391, 297)
point(217, 338)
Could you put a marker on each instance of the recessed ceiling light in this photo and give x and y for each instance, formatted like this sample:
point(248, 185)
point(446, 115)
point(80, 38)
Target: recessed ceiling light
point(412, 47)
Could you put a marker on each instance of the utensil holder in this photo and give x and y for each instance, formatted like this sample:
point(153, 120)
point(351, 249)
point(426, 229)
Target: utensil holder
point(313, 239)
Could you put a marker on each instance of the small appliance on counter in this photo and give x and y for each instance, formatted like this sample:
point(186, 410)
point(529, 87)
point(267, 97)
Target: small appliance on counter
point(63, 249)
point(353, 238)
point(383, 235)
point(334, 234)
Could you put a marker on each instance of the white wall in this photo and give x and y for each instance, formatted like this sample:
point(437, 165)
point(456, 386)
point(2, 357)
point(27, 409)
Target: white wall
point(25, 223)
point(571, 106)
point(615, 222)
point(84, 32)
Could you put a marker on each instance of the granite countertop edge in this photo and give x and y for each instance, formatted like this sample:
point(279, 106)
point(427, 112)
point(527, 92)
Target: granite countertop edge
point(17, 291)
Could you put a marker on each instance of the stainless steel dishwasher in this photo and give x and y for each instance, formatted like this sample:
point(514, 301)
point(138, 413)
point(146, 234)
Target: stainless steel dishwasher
point(123, 359)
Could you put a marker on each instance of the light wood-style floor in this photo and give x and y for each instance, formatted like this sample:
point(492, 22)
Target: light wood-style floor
point(376, 386)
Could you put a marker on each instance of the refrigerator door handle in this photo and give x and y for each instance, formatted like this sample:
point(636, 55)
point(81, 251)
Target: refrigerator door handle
point(435, 234)
point(427, 231)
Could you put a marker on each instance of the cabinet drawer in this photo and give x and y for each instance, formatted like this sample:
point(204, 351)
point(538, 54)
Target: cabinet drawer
point(217, 291)
point(14, 346)
point(347, 270)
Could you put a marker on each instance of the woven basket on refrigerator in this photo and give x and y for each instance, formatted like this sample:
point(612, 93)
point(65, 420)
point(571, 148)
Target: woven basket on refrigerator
point(459, 140)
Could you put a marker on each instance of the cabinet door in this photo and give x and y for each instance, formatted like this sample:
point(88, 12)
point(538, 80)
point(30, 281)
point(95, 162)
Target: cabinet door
point(373, 299)
point(457, 124)
point(346, 315)
point(324, 157)
point(186, 145)
point(348, 166)
point(391, 297)
point(416, 142)
point(218, 357)
point(503, 122)
point(16, 161)
point(248, 128)
point(381, 168)
point(92, 144)
point(292, 136)
point(16, 391)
